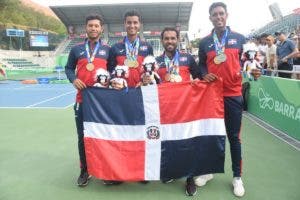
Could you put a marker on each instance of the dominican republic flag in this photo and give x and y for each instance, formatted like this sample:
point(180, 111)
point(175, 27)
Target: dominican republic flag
point(154, 132)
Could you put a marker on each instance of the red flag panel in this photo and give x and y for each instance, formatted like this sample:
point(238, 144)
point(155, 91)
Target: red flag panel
point(125, 159)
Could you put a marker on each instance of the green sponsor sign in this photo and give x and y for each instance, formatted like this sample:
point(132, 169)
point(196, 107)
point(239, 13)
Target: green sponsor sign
point(277, 101)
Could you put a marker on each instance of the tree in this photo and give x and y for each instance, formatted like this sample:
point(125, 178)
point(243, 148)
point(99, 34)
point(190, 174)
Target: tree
point(14, 12)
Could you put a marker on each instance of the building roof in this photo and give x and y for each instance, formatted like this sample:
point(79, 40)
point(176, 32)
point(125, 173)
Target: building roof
point(155, 16)
point(288, 23)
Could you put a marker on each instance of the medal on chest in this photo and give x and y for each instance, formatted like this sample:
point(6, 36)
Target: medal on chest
point(131, 63)
point(220, 48)
point(131, 53)
point(90, 66)
point(220, 58)
point(172, 68)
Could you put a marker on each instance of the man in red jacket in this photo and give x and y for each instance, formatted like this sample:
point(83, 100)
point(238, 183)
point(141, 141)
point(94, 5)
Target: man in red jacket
point(175, 66)
point(84, 59)
point(131, 51)
point(219, 57)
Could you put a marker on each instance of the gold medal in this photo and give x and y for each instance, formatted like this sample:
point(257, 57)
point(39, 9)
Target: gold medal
point(177, 78)
point(220, 58)
point(90, 66)
point(134, 64)
point(216, 61)
point(131, 63)
point(172, 78)
point(167, 77)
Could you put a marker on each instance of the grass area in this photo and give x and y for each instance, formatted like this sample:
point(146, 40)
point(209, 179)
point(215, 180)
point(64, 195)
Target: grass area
point(39, 161)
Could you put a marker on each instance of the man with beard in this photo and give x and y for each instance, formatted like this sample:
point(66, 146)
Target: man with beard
point(83, 61)
point(175, 66)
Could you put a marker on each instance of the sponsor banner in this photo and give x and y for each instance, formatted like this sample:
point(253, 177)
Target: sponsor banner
point(277, 101)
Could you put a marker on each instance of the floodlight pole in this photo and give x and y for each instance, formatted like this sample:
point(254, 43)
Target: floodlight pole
point(20, 43)
point(10, 44)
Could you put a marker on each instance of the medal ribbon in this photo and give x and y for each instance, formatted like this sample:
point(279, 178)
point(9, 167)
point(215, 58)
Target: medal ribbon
point(220, 47)
point(132, 48)
point(171, 64)
point(87, 49)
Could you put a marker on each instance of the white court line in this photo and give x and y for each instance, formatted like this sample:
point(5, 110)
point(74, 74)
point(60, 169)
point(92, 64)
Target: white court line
point(29, 108)
point(68, 106)
point(16, 88)
point(19, 88)
point(50, 99)
point(254, 119)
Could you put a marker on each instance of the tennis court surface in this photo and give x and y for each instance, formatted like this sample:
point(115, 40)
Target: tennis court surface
point(14, 94)
point(39, 157)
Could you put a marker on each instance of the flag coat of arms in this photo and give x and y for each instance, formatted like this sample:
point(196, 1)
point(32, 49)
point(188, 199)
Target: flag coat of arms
point(154, 132)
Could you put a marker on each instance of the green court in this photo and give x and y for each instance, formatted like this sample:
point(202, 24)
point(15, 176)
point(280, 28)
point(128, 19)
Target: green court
point(39, 160)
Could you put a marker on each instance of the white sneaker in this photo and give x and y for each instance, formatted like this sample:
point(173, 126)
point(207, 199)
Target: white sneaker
point(238, 187)
point(201, 180)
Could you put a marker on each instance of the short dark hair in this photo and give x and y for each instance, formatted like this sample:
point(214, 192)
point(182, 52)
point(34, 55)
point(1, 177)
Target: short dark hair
point(94, 16)
point(169, 29)
point(217, 4)
point(277, 33)
point(132, 13)
point(264, 35)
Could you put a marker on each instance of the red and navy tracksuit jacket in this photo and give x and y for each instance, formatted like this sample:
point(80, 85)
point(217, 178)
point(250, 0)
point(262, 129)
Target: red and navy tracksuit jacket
point(118, 56)
point(77, 61)
point(187, 66)
point(230, 70)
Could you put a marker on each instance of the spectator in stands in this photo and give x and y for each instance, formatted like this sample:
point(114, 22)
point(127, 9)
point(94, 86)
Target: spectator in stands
point(291, 35)
point(219, 57)
point(175, 66)
point(131, 51)
point(83, 61)
point(296, 57)
point(271, 55)
point(262, 48)
point(284, 51)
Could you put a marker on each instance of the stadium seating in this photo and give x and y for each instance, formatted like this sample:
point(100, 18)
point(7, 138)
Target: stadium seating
point(155, 42)
point(19, 62)
point(113, 40)
point(27, 59)
point(72, 42)
point(287, 24)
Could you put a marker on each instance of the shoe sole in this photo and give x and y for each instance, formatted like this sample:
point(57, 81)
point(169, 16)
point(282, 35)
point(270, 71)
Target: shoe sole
point(144, 182)
point(108, 183)
point(86, 183)
point(112, 183)
point(168, 181)
point(189, 194)
point(237, 195)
